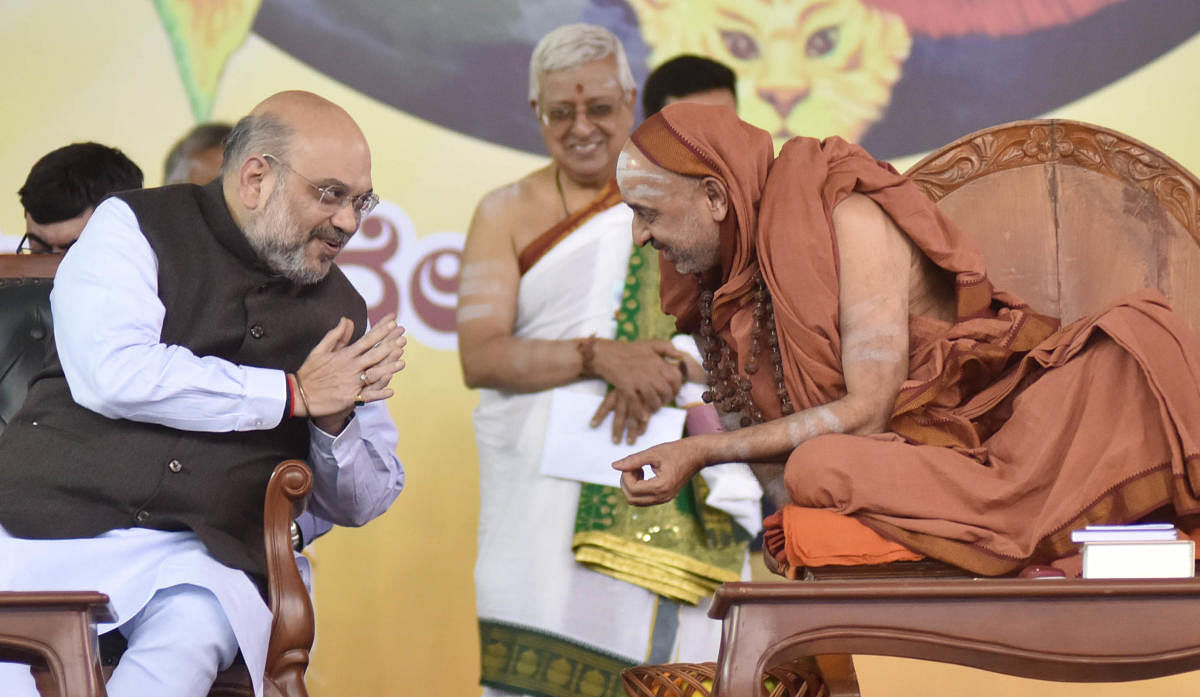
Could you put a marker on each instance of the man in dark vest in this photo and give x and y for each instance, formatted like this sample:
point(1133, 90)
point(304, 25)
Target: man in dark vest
point(204, 334)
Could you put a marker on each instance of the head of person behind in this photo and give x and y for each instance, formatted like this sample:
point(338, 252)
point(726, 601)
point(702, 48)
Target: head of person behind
point(689, 78)
point(296, 176)
point(582, 93)
point(64, 187)
point(196, 158)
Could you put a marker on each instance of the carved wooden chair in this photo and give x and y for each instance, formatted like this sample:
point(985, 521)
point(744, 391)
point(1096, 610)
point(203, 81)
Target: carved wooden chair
point(1069, 216)
point(56, 632)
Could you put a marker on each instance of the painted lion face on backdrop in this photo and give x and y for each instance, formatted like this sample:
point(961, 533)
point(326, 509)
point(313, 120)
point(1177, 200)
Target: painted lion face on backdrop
point(804, 67)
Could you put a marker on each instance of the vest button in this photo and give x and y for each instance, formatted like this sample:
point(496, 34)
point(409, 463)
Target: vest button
point(174, 466)
point(38, 333)
point(142, 516)
point(257, 331)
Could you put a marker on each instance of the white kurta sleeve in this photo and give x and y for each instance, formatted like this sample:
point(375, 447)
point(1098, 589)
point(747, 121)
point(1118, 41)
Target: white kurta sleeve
point(357, 474)
point(108, 326)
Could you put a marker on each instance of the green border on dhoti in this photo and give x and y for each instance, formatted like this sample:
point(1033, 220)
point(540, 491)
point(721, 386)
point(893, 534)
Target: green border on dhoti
point(527, 661)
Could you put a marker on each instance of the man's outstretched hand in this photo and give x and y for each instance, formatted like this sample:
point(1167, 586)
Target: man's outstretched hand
point(338, 374)
point(673, 464)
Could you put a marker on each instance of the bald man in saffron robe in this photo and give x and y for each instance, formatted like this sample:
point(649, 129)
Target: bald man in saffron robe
point(852, 337)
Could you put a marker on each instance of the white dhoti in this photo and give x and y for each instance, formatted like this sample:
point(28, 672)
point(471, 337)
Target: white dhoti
point(532, 595)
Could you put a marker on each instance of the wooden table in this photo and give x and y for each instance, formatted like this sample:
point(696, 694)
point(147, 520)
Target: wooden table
point(55, 632)
point(1050, 629)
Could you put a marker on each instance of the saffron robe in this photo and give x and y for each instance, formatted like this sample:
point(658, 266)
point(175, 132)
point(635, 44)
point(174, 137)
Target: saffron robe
point(1009, 432)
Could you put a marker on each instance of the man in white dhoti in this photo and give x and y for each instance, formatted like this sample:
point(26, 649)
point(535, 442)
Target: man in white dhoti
point(204, 334)
point(553, 294)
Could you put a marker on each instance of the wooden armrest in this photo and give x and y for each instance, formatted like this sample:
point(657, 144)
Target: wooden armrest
point(292, 627)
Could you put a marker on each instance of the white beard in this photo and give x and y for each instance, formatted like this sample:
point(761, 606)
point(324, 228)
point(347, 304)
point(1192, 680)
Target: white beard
point(272, 235)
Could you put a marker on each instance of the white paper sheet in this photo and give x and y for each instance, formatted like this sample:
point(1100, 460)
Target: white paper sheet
point(575, 450)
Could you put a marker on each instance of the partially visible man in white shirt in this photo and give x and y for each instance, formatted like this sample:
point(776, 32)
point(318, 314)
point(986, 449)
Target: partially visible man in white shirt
point(203, 335)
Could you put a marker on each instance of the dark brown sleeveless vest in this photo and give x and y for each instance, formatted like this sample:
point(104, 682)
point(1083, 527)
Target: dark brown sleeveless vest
point(68, 472)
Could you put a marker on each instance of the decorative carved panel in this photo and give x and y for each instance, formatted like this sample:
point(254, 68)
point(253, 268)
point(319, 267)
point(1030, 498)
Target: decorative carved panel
point(1050, 141)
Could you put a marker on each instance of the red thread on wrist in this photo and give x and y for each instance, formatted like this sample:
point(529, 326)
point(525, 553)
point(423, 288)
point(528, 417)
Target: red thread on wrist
point(289, 405)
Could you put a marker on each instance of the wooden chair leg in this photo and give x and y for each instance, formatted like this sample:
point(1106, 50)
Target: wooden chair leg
point(56, 633)
point(837, 672)
point(47, 686)
point(738, 674)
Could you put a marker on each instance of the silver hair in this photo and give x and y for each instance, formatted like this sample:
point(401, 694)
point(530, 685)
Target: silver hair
point(202, 137)
point(255, 135)
point(572, 45)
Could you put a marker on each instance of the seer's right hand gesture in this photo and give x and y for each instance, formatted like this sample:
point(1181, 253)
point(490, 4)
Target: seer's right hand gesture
point(337, 375)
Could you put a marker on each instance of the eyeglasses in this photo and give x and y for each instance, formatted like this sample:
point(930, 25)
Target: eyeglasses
point(333, 197)
point(598, 111)
point(32, 244)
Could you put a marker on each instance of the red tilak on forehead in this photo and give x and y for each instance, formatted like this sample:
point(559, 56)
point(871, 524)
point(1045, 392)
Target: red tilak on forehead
point(578, 88)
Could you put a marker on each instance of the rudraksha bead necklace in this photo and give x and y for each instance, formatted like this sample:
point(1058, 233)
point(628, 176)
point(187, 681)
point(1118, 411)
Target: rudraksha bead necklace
point(728, 390)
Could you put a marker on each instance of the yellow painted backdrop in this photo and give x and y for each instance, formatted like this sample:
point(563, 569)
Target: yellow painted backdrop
point(395, 600)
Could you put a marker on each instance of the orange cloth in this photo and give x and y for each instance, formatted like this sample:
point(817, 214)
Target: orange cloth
point(800, 537)
point(1007, 434)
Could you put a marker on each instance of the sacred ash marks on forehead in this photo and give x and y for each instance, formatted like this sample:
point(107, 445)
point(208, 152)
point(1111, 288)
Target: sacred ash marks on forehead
point(637, 176)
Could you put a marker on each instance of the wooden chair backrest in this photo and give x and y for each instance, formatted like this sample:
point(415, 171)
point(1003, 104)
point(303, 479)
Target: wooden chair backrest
point(1071, 216)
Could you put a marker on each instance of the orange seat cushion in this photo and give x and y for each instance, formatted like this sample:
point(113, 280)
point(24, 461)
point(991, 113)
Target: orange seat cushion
point(800, 537)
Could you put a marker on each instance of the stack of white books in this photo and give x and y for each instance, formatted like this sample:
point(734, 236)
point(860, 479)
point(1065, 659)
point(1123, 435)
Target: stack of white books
point(1144, 550)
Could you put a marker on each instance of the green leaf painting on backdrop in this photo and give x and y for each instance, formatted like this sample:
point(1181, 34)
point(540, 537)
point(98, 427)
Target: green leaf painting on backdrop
point(203, 34)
